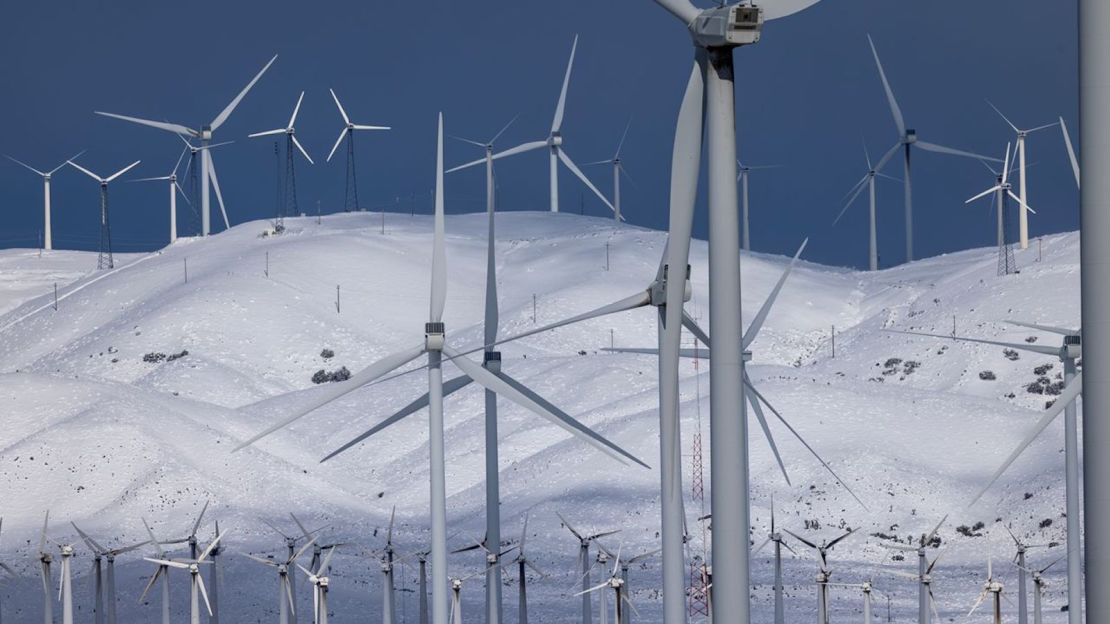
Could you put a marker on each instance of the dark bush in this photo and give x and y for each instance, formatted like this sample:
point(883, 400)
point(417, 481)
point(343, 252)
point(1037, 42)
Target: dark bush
point(327, 354)
point(1011, 355)
point(323, 376)
point(987, 375)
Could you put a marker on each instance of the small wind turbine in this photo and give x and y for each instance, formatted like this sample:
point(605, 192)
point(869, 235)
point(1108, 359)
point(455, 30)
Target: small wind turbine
point(991, 588)
point(207, 167)
point(617, 583)
point(907, 138)
point(1023, 219)
point(868, 591)
point(745, 222)
point(422, 586)
point(823, 571)
point(110, 555)
point(286, 603)
point(291, 548)
point(625, 565)
point(1071, 151)
point(584, 541)
point(45, 559)
point(162, 571)
point(47, 237)
point(175, 188)
point(192, 168)
point(290, 132)
point(923, 568)
point(522, 562)
point(776, 537)
point(456, 595)
point(1003, 192)
point(554, 143)
point(65, 581)
point(105, 227)
point(350, 199)
point(197, 589)
point(320, 582)
point(389, 611)
point(1039, 585)
point(1019, 561)
point(867, 182)
point(618, 169)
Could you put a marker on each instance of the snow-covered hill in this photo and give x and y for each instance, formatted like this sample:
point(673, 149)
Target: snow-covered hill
point(101, 435)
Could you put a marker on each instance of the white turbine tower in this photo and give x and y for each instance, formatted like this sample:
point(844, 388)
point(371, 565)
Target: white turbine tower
point(197, 589)
point(554, 143)
point(204, 134)
point(523, 562)
point(434, 345)
point(103, 262)
point(175, 188)
point(625, 565)
point(824, 573)
point(348, 132)
point(868, 591)
point(290, 132)
point(47, 236)
point(745, 221)
point(192, 167)
point(1022, 134)
point(618, 169)
point(1019, 561)
point(776, 537)
point(924, 594)
point(320, 582)
point(284, 567)
point(1038, 587)
point(867, 182)
point(907, 139)
point(108, 554)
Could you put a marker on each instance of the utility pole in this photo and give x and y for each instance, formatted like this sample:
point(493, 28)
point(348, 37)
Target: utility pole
point(337, 298)
point(317, 212)
point(832, 336)
point(266, 271)
point(612, 340)
point(55, 296)
point(606, 255)
point(185, 261)
point(383, 221)
point(533, 309)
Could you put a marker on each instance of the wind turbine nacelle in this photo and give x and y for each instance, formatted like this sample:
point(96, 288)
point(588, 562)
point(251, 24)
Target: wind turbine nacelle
point(728, 26)
point(1073, 347)
point(205, 133)
point(555, 140)
point(911, 135)
point(434, 336)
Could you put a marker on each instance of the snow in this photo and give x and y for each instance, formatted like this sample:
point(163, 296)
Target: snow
point(101, 437)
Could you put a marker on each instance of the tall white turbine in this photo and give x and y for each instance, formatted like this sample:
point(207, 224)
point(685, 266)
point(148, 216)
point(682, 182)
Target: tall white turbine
point(286, 603)
point(1022, 134)
point(434, 345)
point(290, 132)
point(318, 578)
point(204, 134)
point(554, 143)
point(1003, 192)
point(109, 554)
point(824, 573)
point(350, 201)
point(104, 259)
point(924, 569)
point(65, 582)
point(907, 139)
point(867, 182)
point(618, 169)
point(162, 571)
point(197, 589)
point(992, 588)
point(745, 221)
point(47, 235)
point(175, 188)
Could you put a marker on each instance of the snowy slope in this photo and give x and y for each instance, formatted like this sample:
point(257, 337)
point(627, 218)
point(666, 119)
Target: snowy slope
point(100, 436)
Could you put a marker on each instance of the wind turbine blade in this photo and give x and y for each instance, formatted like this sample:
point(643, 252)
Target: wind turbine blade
point(984, 194)
point(203, 593)
point(179, 159)
point(20, 162)
point(974, 607)
point(300, 526)
point(1020, 203)
point(1071, 151)
point(1044, 127)
point(153, 580)
point(855, 192)
point(342, 112)
point(581, 176)
point(439, 261)
point(767, 433)
point(364, 127)
point(86, 171)
point(216, 187)
point(448, 388)
point(560, 109)
point(805, 444)
point(225, 113)
point(211, 547)
point(275, 529)
point(502, 131)
point(296, 109)
point(516, 392)
point(593, 589)
point(123, 171)
point(90, 542)
point(289, 594)
point(342, 133)
point(839, 539)
point(167, 562)
point(1006, 165)
point(466, 140)
point(684, 10)
point(1034, 348)
point(268, 562)
point(327, 560)
point(801, 539)
point(692, 326)
point(895, 110)
point(1004, 118)
point(519, 149)
point(339, 389)
point(161, 125)
point(783, 8)
point(1046, 328)
point(639, 300)
point(887, 156)
point(74, 157)
point(569, 526)
point(1070, 393)
point(933, 533)
point(940, 149)
point(761, 316)
point(306, 546)
point(302, 150)
point(154, 540)
point(267, 133)
point(624, 135)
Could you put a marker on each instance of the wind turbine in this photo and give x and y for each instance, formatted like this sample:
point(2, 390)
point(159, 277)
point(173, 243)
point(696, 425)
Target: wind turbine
point(175, 188)
point(522, 561)
point(286, 602)
point(554, 143)
point(350, 198)
point(493, 566)
point(162, 571)
point(1019, 561)
point(1069, 353)
point(991, 588)
point(204, 134)
point(389, 612)
point(105, 227)
point(422, 586)
point(47, 237)
point(1003, 192)
point(6, 568)
point(867, 182)
point(1023, 219)
point(197, 589)
point(45, 559)
point(290, 132)
point(191, 169)
point(435, 346)
point(109, 554)
point(823, 571)
point(618, 169)
point(65, 581)
point(320, 582)
point(584, 541)
point(615, 582)
point(742, 178)
point(626, 564)
point(925, 580)
point(907, 139)
point(291, 548)
point(923, 568)
point(867, 588)
point(776, 537)
point(1038, 587)
point(1071, 151)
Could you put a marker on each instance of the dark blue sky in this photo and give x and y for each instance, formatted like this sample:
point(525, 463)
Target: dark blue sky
point(806, 96)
